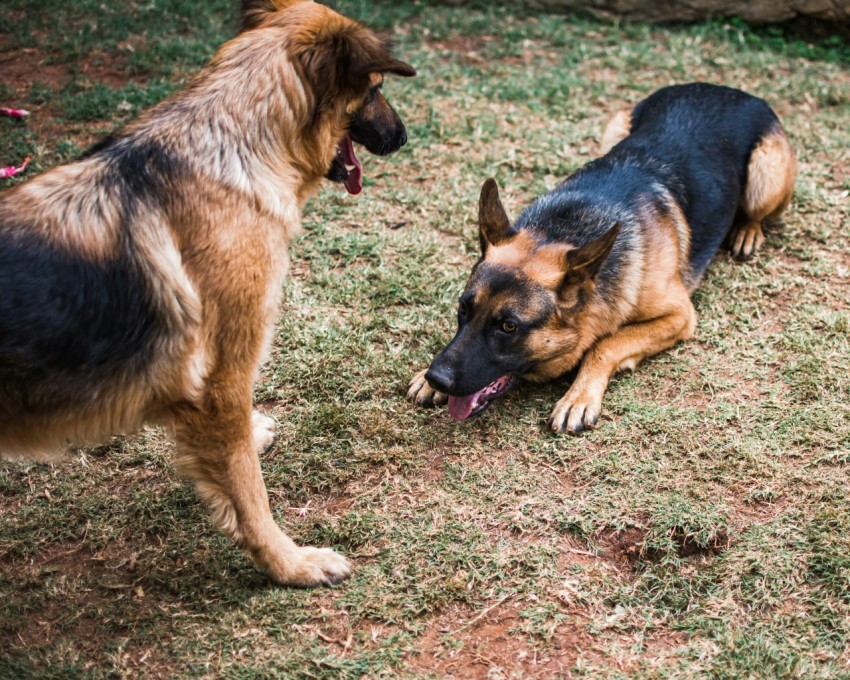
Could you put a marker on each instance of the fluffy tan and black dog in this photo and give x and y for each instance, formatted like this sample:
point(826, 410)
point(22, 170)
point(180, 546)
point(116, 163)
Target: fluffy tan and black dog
point(141, 282)
point(599, 272)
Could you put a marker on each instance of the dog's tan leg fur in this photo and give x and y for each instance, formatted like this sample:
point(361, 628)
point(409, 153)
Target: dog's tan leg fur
point(662, 315)
point(219, 436)
point(580, 407)
point(218, 450)
point(616, 131)
point(771, 174)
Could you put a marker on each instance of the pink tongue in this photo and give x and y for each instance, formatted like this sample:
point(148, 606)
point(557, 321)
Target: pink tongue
point(352, 184)
point(461, 407)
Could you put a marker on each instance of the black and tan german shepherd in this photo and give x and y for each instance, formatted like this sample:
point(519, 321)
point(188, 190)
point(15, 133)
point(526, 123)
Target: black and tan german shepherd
point(141, 282)
point(601, 269)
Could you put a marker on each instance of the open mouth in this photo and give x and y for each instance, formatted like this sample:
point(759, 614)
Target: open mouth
point(462, 408)
point(346, 168)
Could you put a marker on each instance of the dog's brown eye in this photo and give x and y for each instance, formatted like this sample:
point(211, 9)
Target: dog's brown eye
point(509, 326)
point(462, 309)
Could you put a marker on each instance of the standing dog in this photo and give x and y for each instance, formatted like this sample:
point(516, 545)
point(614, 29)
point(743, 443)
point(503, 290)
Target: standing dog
point(141, 282)
point(600, 270)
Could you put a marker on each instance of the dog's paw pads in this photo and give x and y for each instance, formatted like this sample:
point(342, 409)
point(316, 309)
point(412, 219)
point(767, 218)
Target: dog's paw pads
point(422, 394)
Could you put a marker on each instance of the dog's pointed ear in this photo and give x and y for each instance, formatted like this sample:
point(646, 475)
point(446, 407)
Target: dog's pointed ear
point(493, 223)
point(581, 264)
point(252, 12)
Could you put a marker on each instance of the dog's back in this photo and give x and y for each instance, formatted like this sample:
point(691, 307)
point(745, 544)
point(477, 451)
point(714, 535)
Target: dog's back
point(689, 143)
point(699, 138)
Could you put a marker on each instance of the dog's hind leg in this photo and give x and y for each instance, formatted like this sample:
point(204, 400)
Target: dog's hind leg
point(771, 173)
point(217, 448)
point(617, 129)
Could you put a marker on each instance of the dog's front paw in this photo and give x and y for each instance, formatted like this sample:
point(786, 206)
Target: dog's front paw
point(575, 414)
point(313, 567)
point(422, 394)
point(263, 429)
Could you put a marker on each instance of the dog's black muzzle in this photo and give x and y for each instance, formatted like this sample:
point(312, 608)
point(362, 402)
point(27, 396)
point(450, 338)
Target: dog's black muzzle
point(378, 127)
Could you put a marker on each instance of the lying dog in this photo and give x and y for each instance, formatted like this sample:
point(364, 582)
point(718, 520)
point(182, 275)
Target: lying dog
point(600, 270)
point(141, 282)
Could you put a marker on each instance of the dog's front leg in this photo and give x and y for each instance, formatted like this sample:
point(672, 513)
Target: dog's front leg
point(580, 407)
point(218, 448)
point(422, 394)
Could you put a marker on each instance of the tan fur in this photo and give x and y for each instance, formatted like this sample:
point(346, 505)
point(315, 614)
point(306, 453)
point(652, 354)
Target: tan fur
point(662, 315)
point(213, 257)
point(771, 174)
point(682, 234)
point(644, 286)
point(540, 262)
point(653, 311)
point(421, 393)
point(616, 131)
point(58, 210)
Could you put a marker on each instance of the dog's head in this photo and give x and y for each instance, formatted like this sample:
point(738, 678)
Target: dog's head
point(521, 312)
point(341, 66)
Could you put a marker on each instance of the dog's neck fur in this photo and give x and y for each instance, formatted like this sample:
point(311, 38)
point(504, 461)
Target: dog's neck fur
point(256, 137)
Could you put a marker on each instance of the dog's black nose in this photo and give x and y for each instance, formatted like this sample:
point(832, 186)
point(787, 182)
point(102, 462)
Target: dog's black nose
point(403, 139)
point(441, 378)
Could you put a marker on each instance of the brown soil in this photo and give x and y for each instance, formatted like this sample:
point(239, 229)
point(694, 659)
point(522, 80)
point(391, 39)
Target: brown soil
point(464, 643)
point(627, 548)
point(95, 581)
point(20, 68)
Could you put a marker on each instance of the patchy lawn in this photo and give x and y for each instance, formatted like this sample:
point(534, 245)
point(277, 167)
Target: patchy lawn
point(702, 531)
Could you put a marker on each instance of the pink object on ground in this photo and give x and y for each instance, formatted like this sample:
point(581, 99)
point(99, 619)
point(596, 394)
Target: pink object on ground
point(13, 113)
point(13, 170)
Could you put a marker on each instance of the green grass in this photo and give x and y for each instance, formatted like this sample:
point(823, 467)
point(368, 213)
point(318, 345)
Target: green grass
point(700, 532)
